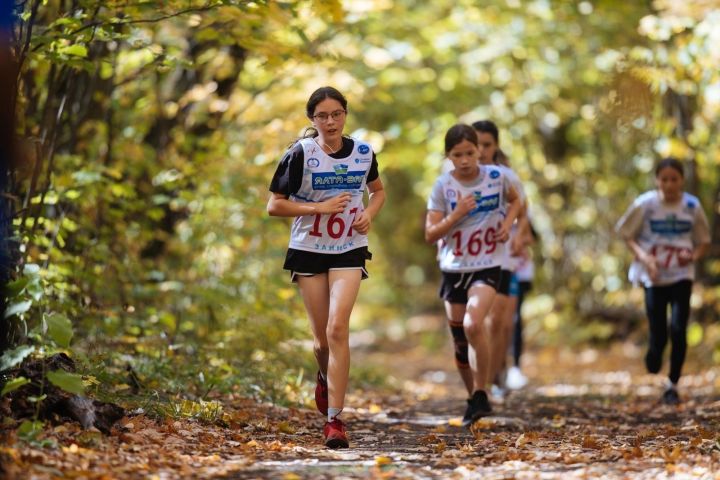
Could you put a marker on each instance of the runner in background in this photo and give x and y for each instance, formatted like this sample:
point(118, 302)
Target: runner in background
point(667, 231)
point(523, 278)
point(500, 317)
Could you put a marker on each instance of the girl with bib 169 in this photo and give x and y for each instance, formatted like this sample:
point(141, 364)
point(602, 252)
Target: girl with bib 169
point(667, 231)
point(472, 209)
point(321, 181)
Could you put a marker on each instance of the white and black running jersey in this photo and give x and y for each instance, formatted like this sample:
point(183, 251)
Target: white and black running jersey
point(325, 177)
point(665, 231)
point(470, 245)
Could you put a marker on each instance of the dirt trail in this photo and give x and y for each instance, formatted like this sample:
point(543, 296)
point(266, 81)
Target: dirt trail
point(586, 414)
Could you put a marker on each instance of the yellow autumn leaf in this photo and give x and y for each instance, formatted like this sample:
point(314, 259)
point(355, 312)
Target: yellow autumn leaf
point(455, 422)
point(380, 461)
point(285, 427)
point(521, 440)
point(375, 409)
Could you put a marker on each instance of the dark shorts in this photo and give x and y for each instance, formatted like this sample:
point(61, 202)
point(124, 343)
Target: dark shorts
point(307, 264)
point(505, 278)
point(454, 287)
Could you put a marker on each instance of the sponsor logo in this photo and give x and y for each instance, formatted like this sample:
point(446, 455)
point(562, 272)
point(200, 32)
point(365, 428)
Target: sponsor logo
point(344, 181)
point(313, 150)
point(670, 226)
point(340, 168)
point(494, 174)
point(487, 203)
point(363, 149)
point(313, 162)
point(362, 160)
point(451, 194)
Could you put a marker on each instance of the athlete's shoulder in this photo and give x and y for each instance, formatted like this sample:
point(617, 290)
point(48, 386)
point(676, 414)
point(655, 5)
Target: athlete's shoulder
point(648, 198)
point(362, 147)
point(493, 171)
point(445, 178)
point(690, 201)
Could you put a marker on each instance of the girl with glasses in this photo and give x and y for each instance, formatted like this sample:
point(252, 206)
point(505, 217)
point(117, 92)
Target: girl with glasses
point(320, 181)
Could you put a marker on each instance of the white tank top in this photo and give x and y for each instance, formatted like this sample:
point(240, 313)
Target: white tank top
point(469, 245)
point(325, 177)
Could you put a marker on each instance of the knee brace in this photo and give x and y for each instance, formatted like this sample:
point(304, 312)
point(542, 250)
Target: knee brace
point(461, 345)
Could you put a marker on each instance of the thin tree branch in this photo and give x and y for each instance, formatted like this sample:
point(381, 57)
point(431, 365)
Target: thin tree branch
point(147, 20)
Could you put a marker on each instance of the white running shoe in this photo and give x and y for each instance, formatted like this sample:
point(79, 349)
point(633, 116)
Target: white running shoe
point(515, 379)
point(497, 394)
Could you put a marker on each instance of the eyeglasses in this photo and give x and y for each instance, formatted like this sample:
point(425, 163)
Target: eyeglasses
point(324, 117)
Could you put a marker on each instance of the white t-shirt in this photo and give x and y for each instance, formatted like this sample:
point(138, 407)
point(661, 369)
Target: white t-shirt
point(511, 262)
point(664, 230)
point(469, 245)
point(325, 177)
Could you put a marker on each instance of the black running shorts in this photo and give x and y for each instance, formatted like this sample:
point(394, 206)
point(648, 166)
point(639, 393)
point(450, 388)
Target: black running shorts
point(454, 287)
point(505, 278)
point(302, 263)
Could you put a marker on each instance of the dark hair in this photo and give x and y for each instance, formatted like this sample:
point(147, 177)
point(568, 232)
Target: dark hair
point(487, 126)
point(321, 94)
point(457, 133)
point(318, 96)
point(669, 162)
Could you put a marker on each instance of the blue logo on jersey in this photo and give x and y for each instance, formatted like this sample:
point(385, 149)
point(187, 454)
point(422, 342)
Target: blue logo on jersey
point(340, 168)
point(494, 174)
point(670, 226)
point(362, 160)
point(343, 181)
point(363, 149)
point(313, 162)
point(486, 204)
point(691, 204)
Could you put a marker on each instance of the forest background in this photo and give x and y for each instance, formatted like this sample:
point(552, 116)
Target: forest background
point(148, 133)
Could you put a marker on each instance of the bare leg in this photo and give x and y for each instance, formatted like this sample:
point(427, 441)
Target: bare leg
point(480, 298)
point(316, 297)
point(456, 314)
point(344, 287)
point(499, 333)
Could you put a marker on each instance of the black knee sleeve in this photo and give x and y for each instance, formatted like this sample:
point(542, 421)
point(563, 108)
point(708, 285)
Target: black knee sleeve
point(461, 346)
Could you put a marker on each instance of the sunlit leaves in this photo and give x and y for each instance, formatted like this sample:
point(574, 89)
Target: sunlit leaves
point(15, 356)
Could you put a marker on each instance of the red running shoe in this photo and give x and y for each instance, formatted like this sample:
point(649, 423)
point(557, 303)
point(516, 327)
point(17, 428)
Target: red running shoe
point(321, 394)
point(334, 433)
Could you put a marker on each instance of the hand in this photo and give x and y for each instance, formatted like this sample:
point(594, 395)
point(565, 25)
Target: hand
point(502, 234)
point(685, 256)
point(335, 204)
point(362, 223)
point(517, 247)
point(465, 204)
point(651, 265)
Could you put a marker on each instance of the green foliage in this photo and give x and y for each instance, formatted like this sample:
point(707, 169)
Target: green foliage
point(14, 384)
point(15, 356)
point(69, 382)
